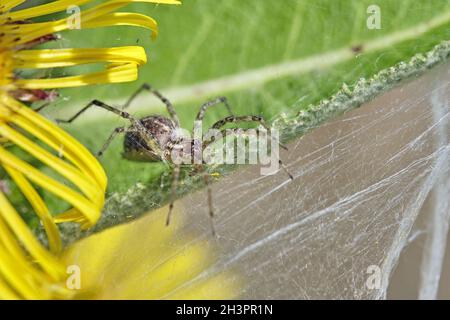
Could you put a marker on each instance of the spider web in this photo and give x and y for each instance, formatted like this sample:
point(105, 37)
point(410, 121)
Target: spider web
point(360, 185)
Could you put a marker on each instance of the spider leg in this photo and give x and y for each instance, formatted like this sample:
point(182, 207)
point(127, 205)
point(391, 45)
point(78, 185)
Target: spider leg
point(147, 87)
point(137, 125)
point(223, 134)
point(210, 200)
point(42, 107)
point(173, 190)
point(234, 119)
point(110, 139)
point(211, 103)
point(99, 104)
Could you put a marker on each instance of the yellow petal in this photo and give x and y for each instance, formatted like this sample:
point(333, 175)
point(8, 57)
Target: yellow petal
point(39, 207)
point(48, 262)
point(62, 5)
point(52, 58)
point(57, 164)
point(56, 138)
point(116, 74)
point(9, 4)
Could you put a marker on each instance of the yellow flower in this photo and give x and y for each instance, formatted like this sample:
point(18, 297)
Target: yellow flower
point(27, 268)
point(145, 260)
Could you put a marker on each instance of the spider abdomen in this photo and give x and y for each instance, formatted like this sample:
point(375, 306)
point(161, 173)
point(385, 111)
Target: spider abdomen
point(136, 146)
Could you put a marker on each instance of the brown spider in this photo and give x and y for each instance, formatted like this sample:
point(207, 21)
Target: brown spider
point(154, 138)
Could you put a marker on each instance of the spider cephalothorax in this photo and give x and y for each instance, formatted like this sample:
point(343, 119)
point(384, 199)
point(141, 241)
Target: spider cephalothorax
point(157, 138)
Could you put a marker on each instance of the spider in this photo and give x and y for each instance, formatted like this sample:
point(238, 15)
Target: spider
point(154, 139)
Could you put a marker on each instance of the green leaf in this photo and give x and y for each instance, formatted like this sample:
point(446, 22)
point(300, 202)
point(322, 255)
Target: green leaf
point(271, 58)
